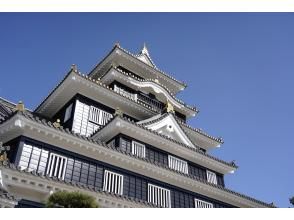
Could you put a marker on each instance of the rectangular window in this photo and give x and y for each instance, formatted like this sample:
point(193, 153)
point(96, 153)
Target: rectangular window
point(202, 204)
point(56, 166)
point(113, 182)
point(177, 164)
point(138, 149)
point(33, 158)
point(211, 177)
point(67, 113)
point(159, 196)
point(99, 116)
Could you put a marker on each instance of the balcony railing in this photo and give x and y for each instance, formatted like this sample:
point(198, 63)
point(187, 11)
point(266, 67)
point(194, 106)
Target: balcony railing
point(140, 98)
point(125, 93)
point(152, 103)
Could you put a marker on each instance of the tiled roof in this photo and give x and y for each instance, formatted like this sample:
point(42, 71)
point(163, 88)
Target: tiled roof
point(185, 125)
point(195, 150)
point(154, 67)
point(74, 184)
point(153, 81)
point(6, 195)
point(39, 120)
point(97, 82)
point(135, 56)
point(6, 108)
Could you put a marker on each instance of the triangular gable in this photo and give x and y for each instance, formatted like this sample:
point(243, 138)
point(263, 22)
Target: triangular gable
point(169, 127)
point(145, 59)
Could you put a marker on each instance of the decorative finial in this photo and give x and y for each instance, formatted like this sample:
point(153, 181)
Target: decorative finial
point(74, 67)
point(169, 107)
point(233, 162)
point(3, 153)
point(145, 50)
point(20, 106)
point(117, 44)
point(118, 112)
point(57, 123)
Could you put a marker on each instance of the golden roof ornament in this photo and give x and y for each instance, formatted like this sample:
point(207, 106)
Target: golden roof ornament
point(57, 123)
point(118, 112)
point(169, 107)
point(20, 106)
point(3, 153)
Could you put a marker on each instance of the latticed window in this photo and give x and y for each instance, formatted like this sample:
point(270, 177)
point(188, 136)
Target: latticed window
point(159, 196)
point(99, 116)
point(113, 182)
point(56, 166)
point(177, 164)
point(138, 149)
point(211, 177)
point(202, 204)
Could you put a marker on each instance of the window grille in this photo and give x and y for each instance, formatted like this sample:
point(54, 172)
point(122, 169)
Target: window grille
point(99, 116)
point(177, 164)
point(159, 196)
point(202, 204)
point(68, 113)
point(125, 93)
point(113, 182)
point(56, 166)
point(211, 177)
point(138, 149)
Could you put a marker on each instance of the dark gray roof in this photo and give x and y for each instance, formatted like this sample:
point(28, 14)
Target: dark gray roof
point(6, 108)
point(196, 150)
point(150, 80)
point(182, 124)
point(135, 56)
point(6, 195)
point(39, 120)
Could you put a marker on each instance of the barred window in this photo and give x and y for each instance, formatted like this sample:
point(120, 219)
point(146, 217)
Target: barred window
point(99, 116)
point(177, 164)
point(113, 182)
point(202, 204)
point(159, 196)
point(56, 166)
point(138, 149)
point(211, 177)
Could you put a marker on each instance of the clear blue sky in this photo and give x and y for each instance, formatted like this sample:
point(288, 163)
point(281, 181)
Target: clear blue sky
point(239, 69)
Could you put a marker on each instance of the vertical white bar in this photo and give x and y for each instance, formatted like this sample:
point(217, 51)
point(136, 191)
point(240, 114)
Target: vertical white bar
point(122, 185)
point(105, 180)
point(56, 165)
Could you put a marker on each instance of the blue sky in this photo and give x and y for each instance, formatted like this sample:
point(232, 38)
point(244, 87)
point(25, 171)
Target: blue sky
point(239, 68)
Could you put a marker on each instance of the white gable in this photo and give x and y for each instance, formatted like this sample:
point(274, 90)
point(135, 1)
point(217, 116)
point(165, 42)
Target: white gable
point(169, 127)
point(145, 59)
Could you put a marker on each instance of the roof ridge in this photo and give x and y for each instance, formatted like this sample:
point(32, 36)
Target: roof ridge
point(197, 149)
point(155, 68)
point(198, 130)
point(153, 81)
point(45, 122)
